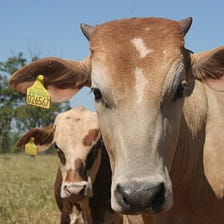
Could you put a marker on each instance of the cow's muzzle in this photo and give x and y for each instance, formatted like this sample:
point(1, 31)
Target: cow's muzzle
point(138, 197)
point(76, 190)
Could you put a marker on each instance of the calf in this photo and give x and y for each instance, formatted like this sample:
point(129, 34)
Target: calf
point(81, 152)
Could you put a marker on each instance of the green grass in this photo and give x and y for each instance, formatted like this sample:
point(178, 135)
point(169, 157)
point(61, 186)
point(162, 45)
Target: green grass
point(26, 189)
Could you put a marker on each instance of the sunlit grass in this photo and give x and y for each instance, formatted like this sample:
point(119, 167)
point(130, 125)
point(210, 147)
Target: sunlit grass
point(26, 189)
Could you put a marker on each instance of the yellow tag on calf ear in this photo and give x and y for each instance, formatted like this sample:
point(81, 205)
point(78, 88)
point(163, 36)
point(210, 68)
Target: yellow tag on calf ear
point(37, 95)
point(30, 147)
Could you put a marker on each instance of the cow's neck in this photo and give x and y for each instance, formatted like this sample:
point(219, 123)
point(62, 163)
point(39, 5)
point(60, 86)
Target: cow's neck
point(194, 199)
point(187, 169)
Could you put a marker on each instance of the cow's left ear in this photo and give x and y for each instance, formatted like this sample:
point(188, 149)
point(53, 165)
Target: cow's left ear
point(62, 78)
point(208, 67)
point(43, 138)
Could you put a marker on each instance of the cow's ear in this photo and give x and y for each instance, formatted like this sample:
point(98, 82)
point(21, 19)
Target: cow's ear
point(62, 78)
point(43, 138)
point(208, 67)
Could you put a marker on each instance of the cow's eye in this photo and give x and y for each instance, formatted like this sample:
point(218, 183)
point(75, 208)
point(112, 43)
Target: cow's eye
point(180, 90)
point(97, 94)
point(99, 98)
point(61, 155)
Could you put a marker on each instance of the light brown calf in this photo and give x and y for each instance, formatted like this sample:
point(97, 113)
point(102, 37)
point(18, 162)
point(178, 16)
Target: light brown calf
point(82, 185)
point(160, 109)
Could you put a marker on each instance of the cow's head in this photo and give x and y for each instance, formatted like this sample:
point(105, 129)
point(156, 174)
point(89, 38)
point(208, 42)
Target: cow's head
point(75, 134)
point(139, 72)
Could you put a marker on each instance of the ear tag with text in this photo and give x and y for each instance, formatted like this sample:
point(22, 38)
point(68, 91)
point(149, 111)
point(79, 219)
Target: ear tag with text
point(37, 95)
point(30, 147)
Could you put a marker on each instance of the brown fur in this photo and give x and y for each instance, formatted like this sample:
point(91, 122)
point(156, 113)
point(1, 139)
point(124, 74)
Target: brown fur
point(91, 137)
point(73, 176)
point(197, 165)
point(100, 202)
point(101, 211)
point(78, 205)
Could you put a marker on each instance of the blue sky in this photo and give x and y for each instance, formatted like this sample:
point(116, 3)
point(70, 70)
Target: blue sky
point(52, 27)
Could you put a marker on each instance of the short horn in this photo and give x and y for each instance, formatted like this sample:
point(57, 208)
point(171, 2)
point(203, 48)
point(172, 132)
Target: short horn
point(185, 24)
point(87, 30)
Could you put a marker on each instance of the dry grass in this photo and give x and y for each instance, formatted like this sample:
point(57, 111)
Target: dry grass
point(26, 189)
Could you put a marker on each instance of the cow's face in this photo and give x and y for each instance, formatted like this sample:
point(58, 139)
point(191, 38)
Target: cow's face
point(138, 78)
point(76, 132)
point(137, 70)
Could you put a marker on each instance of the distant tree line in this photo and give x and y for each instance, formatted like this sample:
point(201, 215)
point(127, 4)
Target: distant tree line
point(16, 117)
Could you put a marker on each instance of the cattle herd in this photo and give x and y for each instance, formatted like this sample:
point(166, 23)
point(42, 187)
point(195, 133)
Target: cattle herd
point(152, 152)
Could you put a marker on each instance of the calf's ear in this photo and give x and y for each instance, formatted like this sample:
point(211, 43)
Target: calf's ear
point(62, 78)
point(208, 67)
point(43, 138)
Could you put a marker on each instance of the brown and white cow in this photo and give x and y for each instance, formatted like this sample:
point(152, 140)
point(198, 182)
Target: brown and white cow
point(160, 108)
point(83, 165)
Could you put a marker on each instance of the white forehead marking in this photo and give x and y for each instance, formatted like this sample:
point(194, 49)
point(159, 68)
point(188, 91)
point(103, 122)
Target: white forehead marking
point(141, 47)
point(139, 84)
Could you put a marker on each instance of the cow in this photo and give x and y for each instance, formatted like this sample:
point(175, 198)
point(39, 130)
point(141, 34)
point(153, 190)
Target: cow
point(160, 110)
point(83, 170)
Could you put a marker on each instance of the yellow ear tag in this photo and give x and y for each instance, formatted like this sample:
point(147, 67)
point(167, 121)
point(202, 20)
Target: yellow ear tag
point(37, 95)
point(30, 147)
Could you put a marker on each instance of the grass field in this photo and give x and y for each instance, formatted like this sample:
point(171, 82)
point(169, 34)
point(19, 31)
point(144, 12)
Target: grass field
point(26, 189)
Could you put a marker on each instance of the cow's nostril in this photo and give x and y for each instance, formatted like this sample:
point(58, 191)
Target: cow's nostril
point(125, 200)
point(159, 197)
point(67, 190)
point(122, 195)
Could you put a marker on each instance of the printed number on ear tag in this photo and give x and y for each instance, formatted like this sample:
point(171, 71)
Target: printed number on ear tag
point(37, 95)
point(30, 147)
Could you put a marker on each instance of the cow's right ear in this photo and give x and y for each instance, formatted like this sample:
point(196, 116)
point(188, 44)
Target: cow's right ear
point(43, 138)
point(62, 78)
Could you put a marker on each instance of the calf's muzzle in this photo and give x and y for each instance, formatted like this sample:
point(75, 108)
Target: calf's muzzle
point(75, 188)
point(77, 185)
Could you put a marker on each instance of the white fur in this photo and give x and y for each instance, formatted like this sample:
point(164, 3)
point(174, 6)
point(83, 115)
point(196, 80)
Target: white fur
point(76, 216)
point(141, 47)
point(140, 84)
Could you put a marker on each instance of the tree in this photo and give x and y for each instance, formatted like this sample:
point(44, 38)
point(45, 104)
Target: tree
point(16, 117)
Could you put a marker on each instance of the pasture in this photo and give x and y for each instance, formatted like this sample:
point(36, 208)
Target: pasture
point(26, 189)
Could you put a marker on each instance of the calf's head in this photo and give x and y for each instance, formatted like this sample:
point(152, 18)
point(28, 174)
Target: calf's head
point(75, 134)
point(138, 71)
